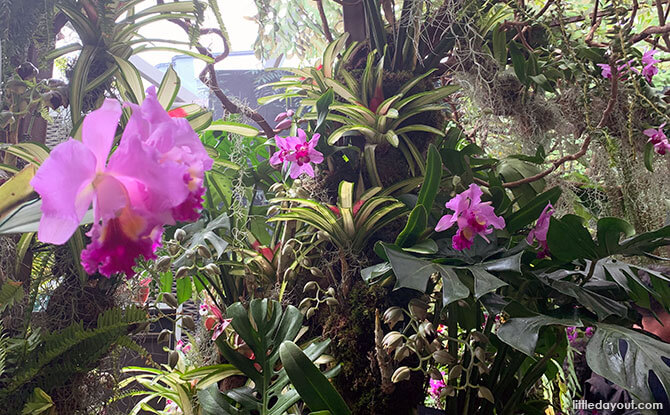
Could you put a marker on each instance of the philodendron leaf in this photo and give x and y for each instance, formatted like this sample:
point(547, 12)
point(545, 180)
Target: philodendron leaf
point(522, 332)
point(627, 358)
point(213, 402)
point(204, 233)
point(314, 388)
point(485, 282)
point(568, 239)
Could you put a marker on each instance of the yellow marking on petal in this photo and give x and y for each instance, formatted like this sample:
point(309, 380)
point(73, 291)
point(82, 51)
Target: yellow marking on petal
point(468, 234)
point(131, 224)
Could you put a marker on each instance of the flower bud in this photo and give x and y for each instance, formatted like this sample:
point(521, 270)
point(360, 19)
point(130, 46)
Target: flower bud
point(272, 210)
point(393, 315)
point(212, 270)
point(401, 353)
point(322, 236)
point(289, 275)
point(164, 336)
point(316, 272)
point(287, 251)
point(448, 390)
point(455, 372)
point(427, 330)
point(310, 312)
point(179, 234)
point(173, 248)
point(170, 300)
point(401, 373)
point(332, 301)
point(418, 308)
point(480, 354)
point(311, 285)
point(443, 357)
point(187, 321)
point(434, 373)
point(204, 252)
point(276, 187)
point(173, 359)
point(305, 303)
point(331, 291)
point(283, 125)
point(163, 264)
point(392, 340)
point(182, 272)
point(306, 262)
point(190, 254)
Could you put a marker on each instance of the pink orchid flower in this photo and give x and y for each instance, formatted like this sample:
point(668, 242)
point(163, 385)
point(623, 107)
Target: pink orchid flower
point(649, 62)
point(182, 347)
point(126, 192)
point(658, 138)
point(436, 386)
point(216, 323)
point(472, 216)
point(175, 142)
point(150, 180)
point(539, 233)
point(297, 153)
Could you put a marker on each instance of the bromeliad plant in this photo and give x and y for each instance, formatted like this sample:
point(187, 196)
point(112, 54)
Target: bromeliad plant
point(357, 105)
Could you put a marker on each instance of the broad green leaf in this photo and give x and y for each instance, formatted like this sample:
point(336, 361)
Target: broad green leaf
point(500, 46)
point(609, 231)
point(313, 387)
point(416, 224)
point(11, 292)
point(529, 212)
point(485, 282)
point(132, 79)
point(184, 289)
point(626, 357)
point(323, 108)
point(522, 332)
point(16, 189)
point(568, 239)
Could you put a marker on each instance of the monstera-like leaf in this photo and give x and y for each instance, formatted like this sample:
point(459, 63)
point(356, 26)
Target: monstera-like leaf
point(628, 358)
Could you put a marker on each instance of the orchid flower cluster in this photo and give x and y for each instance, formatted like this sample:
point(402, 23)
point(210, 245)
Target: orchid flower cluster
point(153, 178)
point(658, 139)
point(472, 216)
point(649, 68)
point(297, 154)
point(284, 120)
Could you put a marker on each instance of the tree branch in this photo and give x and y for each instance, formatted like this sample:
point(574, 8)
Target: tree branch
point(324, 21)
point(587, 141)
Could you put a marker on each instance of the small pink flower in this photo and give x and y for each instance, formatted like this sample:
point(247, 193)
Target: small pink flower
point(606, 70)
point(649, 63)
point(297, 153)
point(183, 347)
point(472, 216)
point(436, 386)
point(658, 138)
point(539, 233)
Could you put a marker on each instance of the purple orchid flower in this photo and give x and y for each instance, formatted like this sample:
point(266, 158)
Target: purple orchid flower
point(472, 216)
point(297, 153)
point(539, 233)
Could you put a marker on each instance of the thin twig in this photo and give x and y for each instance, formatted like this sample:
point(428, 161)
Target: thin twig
point(208, 77)
point(324, 21)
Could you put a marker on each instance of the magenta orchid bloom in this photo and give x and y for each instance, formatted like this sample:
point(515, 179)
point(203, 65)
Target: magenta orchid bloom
point(297, 153)
point(472, 216)
point(649, 62)
point(436, 386)
point(539, 233)
point(658, 138)
point(606, 70)
point(133, 194)
point(175, 142)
